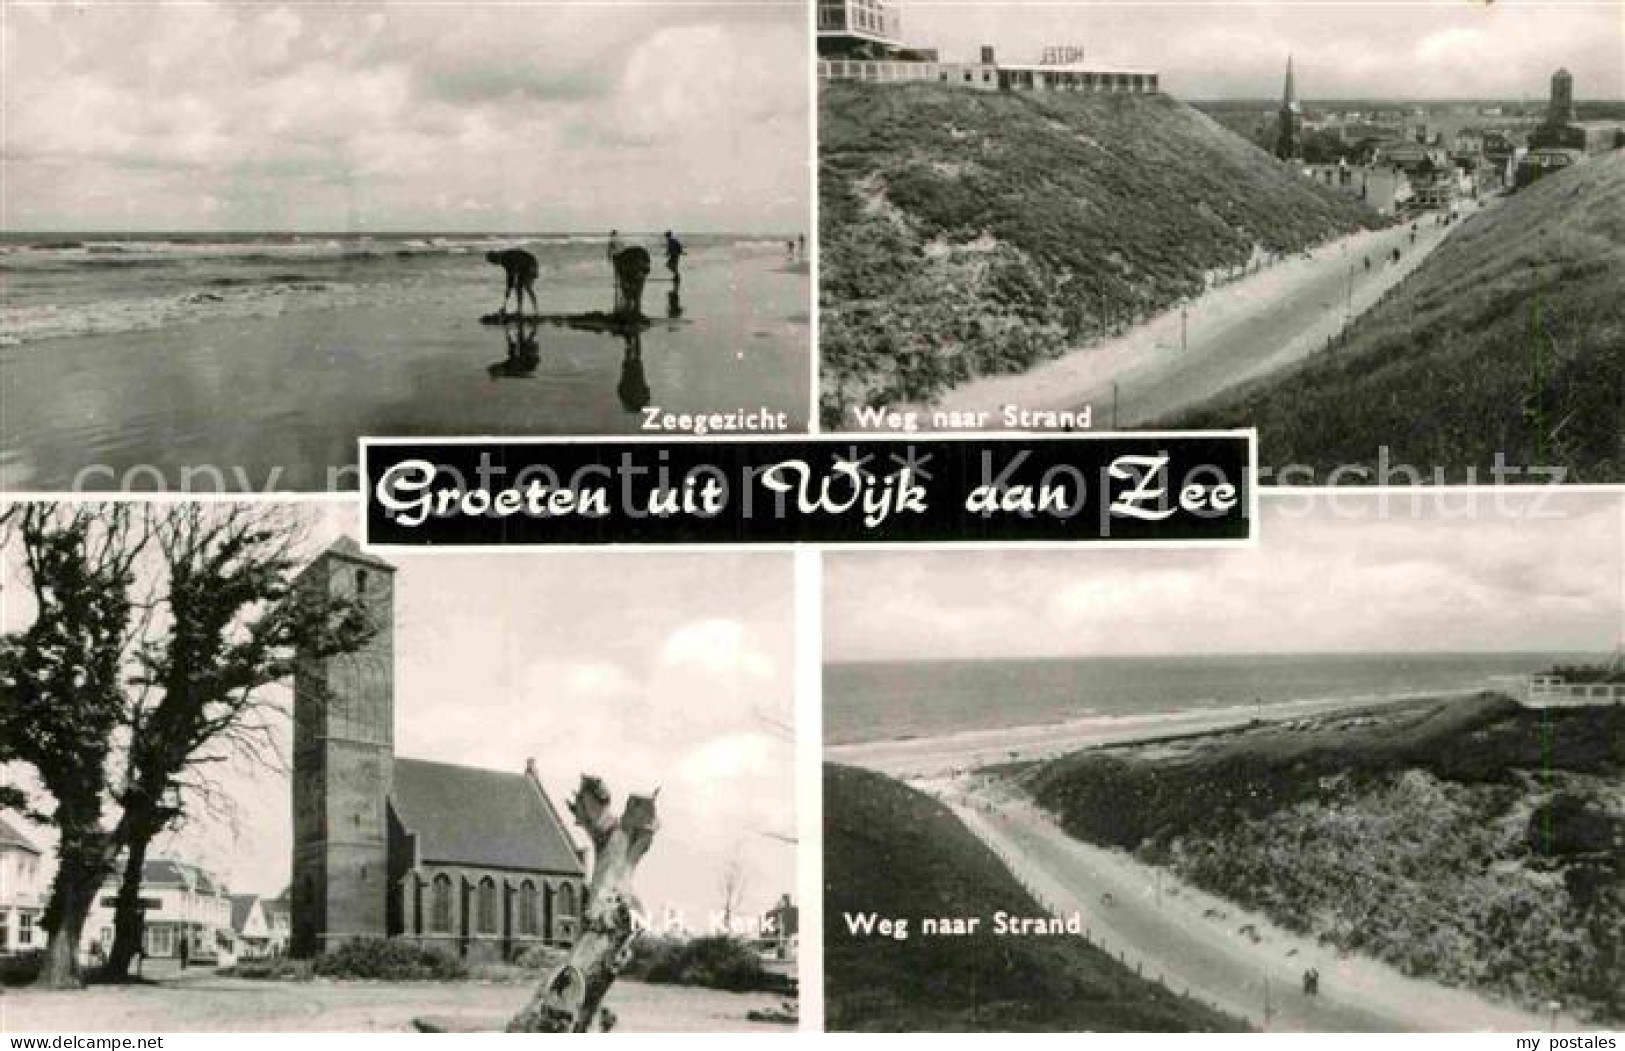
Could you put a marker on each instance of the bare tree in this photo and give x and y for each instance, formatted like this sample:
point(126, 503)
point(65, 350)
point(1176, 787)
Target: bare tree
point(62, 700)
point(234, 622)
point(157, 630)
point(731, 883)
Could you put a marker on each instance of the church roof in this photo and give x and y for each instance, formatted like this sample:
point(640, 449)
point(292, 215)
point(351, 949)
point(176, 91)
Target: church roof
point(463, 815)
point(241, 906)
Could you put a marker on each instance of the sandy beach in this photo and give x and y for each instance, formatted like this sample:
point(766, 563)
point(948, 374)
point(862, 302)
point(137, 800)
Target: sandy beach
point(277, 403)
point(951, 754)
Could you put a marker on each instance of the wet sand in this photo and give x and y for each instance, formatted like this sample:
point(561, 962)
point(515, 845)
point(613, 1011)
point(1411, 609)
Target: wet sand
point(278, 403)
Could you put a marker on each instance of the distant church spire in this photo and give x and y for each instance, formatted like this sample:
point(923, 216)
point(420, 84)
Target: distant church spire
point(1286, 120)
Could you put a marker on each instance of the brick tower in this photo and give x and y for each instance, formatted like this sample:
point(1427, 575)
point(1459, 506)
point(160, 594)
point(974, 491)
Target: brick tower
point(343, 759)
point(1560, 109)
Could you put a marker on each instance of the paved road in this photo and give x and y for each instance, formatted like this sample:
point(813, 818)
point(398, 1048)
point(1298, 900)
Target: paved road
point(1229, 336)
point(1228, 958)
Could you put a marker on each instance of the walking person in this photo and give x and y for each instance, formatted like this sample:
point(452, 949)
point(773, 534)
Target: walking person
point(611, 250)
point(674, 256)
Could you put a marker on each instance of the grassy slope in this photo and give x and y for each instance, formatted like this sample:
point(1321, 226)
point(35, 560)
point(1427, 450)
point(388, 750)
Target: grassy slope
point(964, 233)
point(893, 850)
point(1509, 338)
point(1426, 839)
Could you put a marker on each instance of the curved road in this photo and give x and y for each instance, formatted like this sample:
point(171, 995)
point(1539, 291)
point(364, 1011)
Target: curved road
point(1229, 336)
point(1194, 942)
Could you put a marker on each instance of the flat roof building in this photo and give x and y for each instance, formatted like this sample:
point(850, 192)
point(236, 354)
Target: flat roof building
point(989, 74)
point(862, 40)
point(858, 26)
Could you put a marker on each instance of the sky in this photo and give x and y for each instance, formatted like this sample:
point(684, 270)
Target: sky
point(1373, 49)
point(512, 117)
point(1324, 578)
point(648, 670)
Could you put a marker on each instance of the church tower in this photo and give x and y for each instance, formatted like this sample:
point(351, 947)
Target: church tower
point(1286, 120)
point(343, 762)
point(1560, 110)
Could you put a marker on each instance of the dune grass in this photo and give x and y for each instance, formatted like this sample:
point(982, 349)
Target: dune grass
point(1471, 841)
point(1508, 340)
point(965, 233)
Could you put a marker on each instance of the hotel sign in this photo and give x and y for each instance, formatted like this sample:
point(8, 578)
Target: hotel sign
point(1061, 55)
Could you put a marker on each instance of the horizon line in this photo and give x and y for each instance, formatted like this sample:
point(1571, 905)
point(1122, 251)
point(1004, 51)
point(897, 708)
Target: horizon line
point(1232, 653)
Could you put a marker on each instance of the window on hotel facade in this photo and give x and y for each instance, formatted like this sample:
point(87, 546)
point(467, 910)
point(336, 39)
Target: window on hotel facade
point(440, 905)
point(527, 908)
point(485, 911)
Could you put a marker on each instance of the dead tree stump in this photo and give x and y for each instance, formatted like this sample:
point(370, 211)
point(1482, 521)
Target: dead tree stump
point(568, 1000)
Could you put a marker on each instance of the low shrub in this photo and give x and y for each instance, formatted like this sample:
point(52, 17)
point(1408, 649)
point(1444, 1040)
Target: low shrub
point(280, 969)
point(714, 961)
point(392, 959)
point(1569, 824)
point(21, 969)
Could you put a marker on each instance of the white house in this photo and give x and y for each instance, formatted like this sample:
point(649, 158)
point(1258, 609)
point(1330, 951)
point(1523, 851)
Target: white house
point(182, 903)
point(22, 892)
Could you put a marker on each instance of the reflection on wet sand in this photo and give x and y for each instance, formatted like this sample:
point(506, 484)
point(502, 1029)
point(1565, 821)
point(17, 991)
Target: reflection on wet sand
point(523, 353)
point(634, 387)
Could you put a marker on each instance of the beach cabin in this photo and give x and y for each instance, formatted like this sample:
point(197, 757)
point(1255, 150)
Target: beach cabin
point(1554, 691)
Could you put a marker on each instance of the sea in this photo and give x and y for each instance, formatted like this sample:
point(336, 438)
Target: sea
point(64, 285)
point(897, 700)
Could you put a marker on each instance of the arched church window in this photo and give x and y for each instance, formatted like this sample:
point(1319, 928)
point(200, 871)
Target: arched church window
point(485, 913)
point(527, 907)
point(440, 906)
point(567, 901)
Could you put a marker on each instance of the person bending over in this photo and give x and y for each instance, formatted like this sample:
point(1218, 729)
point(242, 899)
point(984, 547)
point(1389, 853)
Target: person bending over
point(521, 270)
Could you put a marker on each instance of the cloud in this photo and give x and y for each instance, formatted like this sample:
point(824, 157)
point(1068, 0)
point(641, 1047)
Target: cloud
point(554, 117)
point(1341, 50)
point(1327, 575)
point(718, 646)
